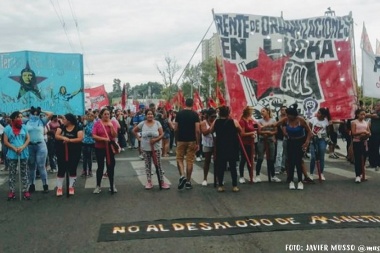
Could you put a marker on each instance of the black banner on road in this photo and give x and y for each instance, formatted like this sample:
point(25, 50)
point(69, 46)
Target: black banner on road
point(191, 227)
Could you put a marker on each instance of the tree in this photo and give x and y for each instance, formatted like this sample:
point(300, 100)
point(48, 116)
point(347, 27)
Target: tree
point(116, 85)
point(168, 71)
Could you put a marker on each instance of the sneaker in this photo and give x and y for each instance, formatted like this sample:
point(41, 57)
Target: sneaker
point(257, 179)
point(336, 155)
point(114, 189)
point(242, 180)
point(182, 182)
point(323, 177)
point(308, 180)
point(141, 157)
point(59, 192)
point(170, 151)
point(198, 159)
point(71, 191)
point(4, 169)
point(357, 180)
point(332, 156)
point(27, 196)
point(276, 179)
point(292, 186)
point(122, 149)
point(148, 185)
point(11, 195)
point(377, 168)
point(105, 175)
point(300, 186)
point(235, 189)
point(188, 186)
point(311, 176)
point(46, 188)
point(204, 183)
point(32, 188)
point(84, 174)
point(97, 190)
point(221, 189)
point(165, 185)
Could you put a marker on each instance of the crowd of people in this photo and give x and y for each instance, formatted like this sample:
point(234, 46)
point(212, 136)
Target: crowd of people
point(34, 140)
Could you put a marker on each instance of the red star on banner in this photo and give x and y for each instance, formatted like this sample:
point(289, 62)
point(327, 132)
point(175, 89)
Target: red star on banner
point(268, 72)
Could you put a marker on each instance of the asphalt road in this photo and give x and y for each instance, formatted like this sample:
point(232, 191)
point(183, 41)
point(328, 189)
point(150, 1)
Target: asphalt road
point(50, 224)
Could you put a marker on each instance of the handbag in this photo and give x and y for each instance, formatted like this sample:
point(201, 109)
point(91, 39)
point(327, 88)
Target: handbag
point(115, 147)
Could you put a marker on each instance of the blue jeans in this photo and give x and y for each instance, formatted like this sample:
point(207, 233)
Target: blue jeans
point(321, 144)
point(37, 158)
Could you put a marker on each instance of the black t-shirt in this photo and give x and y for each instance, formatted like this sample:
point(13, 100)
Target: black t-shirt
point(186, 120)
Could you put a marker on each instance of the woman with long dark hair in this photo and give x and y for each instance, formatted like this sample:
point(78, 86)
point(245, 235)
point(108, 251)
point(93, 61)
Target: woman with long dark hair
point(16, 138)
point(68, 145)
point(360, 131)
point(318, 126)
point(151, 136)
point(207, 141)
point(104, 132)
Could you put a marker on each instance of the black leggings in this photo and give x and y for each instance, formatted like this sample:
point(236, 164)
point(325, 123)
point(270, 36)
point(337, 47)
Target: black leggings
point(222, 166)
point(101, 155)
point(359, 154)
point(295, 154)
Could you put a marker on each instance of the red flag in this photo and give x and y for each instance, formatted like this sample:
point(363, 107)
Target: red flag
point(123, 98)
point(168, 106)
point(181, 99)
point(211, 103)
point(197, 106)
point(219, 73)
point(220, 97)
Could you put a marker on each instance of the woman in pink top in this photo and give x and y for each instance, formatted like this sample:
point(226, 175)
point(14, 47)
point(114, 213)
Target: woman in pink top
point(360, 133)
point(104, 131)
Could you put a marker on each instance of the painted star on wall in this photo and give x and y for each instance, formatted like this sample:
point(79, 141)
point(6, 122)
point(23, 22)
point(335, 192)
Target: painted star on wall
point(28, 81)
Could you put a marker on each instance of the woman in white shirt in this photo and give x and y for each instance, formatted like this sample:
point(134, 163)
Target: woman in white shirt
point(318, 125)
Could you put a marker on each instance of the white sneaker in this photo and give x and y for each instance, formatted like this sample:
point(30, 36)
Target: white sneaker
point(257, 179)
point(204, 183)
point(276, 179)
point(170, 151)
point(323, 177)
point(300, 186)
point(141, 157)
point(311, 176)
point(198, 159)
point(242, 180)
point(97, 190)
point(114, 189)
point(292, 186)
point(357, 180)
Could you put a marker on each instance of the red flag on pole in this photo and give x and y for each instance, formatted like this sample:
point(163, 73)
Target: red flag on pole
point(219, 73)
point(181, 99)
point(211, 103)
point(197, 106)
point(123, 98)
point(220, 97)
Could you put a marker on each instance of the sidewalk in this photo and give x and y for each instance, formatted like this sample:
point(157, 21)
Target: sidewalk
point(342, 145)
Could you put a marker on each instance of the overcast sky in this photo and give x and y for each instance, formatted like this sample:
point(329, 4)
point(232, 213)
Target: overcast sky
point(126, 39)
